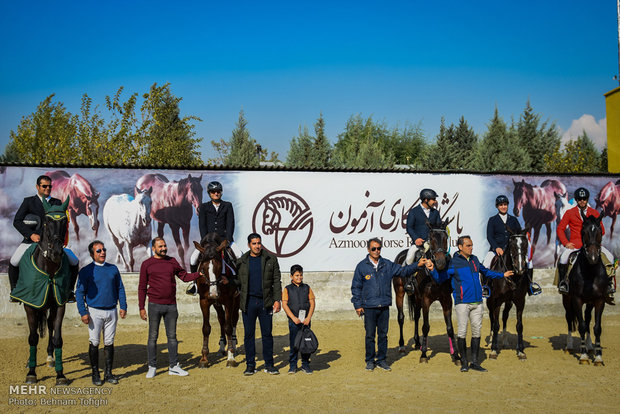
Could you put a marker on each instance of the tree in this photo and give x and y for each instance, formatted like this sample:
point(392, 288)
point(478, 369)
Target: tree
point(406, 145)
point(301, 151)
point(243, 150)
point(500, 149)
point(322, 153)
point(438, 156)
point(536, 140)
point(363, 145)
point(604, 163)
point(465, 145)
point(577, 156)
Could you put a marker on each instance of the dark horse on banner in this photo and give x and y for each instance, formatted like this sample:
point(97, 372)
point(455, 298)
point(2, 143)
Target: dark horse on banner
point(171, 203)
point(587, 286)
point(43, 288)
point(216, 288)
point(509, 291)
point(84, 199)
point(427, 292)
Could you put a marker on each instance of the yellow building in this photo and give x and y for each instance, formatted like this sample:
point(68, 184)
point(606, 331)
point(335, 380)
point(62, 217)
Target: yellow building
point(612, 102)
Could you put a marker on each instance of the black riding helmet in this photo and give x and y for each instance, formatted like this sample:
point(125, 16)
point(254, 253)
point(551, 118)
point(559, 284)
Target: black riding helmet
point(582, 194)
point(428, 194)
point(501, 199)
point(214, 186)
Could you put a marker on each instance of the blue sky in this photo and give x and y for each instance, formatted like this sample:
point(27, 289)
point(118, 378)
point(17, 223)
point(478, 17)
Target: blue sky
point(403, 62)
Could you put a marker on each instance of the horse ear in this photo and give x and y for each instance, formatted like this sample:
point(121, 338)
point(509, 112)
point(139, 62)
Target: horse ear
point(96, 194)
point(65, 204)
point(511, 231)
point(199, 247)
point(222, 245)
point(149, 191)
point(514, 182)
point(46, 204)
point(429, 225)
point(189, 176)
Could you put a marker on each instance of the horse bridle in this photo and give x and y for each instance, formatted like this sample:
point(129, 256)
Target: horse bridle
point(218, 278)
point(55, 238)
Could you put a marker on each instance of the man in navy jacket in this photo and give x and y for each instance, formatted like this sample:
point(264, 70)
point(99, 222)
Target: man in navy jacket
point(371, 291)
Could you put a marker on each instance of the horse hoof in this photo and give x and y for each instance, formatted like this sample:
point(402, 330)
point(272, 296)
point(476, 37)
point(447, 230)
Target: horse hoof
point(401, 349)
point(31, 379)
point(231, 364)
point(62, 381)
point(203, 364)
point(50, 361)
point(423, 360)
point(584, 362)
point(493, 355)
point(522, 356)
point(599, 363)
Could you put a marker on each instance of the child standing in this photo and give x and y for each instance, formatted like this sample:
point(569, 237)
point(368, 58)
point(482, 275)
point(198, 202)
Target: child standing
point(298, 303)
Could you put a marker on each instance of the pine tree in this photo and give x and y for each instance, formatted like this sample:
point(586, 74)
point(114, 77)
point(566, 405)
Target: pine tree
point(536, 138)
point(500, 149)
point(301, 150)
point(243, 149)
point(322, 153)
point(465, 145)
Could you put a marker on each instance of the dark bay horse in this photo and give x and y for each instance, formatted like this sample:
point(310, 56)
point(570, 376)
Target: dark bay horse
point(587, 285)
point(172, 204)
point(608, 200)
point(43, 288)
point(217, 289)
point(509, 291)
point(538, 205)
point(427, 292)
point(84, 198)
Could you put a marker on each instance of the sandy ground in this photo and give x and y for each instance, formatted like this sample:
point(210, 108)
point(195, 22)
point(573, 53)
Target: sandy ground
point(549, 381)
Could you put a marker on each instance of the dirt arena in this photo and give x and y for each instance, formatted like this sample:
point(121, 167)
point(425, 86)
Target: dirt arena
point(549, 381)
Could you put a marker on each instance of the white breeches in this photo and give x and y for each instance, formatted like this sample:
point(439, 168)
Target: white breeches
point(19, 252)
point(102, 320)
point(566, 253)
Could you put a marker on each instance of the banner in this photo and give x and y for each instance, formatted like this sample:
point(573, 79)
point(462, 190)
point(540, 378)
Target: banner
point(321, 220)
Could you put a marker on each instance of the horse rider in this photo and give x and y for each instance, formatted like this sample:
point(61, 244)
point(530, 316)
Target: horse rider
point(418, 220)
point(573, 220)
point(499, 228)
point(29, 222)
point(216, 216)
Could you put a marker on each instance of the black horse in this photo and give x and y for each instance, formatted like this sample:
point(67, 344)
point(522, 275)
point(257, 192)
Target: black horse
point(509, 291)
point(427, 292)
point(43, 287)
point(587, 285)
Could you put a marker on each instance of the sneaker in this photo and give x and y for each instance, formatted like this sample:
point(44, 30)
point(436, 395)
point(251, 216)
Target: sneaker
point(383, 365)
point(306, 369)
point(370, 365)
point(249, 371)
point(477, 367)
point(192, 290)
point(292, 370)
point(271, 370)
point(177, 370)
point(485, 292)
point(151, 373)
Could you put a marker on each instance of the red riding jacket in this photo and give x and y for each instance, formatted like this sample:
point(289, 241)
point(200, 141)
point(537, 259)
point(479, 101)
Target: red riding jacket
point(572, 219)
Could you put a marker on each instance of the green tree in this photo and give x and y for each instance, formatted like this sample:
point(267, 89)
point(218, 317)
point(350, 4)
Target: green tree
point(243, 150)
point(465, 146)
point(301, 151)
point(322, 153)
point(604, 163)
point(536, 138)
point(577, 156)
point(500, 149)
point(438, 156)
point(406, 145)
point(363, 145)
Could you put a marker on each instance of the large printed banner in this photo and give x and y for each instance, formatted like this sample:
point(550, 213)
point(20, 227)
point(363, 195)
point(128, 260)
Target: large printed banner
point(321, 220)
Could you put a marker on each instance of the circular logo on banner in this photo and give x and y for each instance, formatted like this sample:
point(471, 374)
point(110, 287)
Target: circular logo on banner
point(284, 221)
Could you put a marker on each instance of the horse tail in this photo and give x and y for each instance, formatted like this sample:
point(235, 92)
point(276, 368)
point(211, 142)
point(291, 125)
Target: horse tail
point(42, 322)
point(410, 305)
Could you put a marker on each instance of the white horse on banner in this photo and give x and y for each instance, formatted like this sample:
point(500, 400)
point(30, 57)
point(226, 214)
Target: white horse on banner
point(128, 220)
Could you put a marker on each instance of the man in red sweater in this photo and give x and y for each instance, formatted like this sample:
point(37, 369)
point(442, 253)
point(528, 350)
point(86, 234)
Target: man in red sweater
point(573, 220)
point(158, 283)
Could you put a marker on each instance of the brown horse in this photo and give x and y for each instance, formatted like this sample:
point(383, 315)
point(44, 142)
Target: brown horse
point(217, 289)
point(538, 205)
point(84, 198)
point(427, 292)
point(172, 204)
point(608, 200)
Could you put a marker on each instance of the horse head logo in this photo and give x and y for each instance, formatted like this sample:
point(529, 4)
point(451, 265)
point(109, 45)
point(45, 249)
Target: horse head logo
point(286, 222)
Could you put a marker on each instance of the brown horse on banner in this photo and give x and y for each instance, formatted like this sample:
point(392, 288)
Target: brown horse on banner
point(608, 200)
point(172, 204)
point(84, 199)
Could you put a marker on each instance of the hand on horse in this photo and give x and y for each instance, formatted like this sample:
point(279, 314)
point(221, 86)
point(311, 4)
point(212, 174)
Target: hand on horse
point(430, 265)
point(143, 314)
point(122, 313)
point(224, 280)
point(276, 306)
point(35, 237)
point(419, 242)
point(499, 251)
point(509, 273)
point(86, 319)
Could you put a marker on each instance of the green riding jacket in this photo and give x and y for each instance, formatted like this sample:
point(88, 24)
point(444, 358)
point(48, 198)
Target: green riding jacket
point(272, 285)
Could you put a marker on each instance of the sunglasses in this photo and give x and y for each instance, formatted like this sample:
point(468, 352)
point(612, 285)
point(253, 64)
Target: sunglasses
point(45, 186)
point(374, 249)
point(215, 191)
point(101, 250)
point(580, 198)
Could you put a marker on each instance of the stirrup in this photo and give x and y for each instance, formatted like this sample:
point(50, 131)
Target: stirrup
point(535, 289)
point(192, 290)
point(563, 287)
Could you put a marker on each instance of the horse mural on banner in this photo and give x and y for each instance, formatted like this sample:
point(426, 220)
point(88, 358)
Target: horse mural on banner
point(587, 286)
point(172, 204)
point(427, 292)
point(216, 288)
point(509, 291)
point(538, 205)
point(84, 199)
point(128, 220)
point(43, 288)
point(608, 201)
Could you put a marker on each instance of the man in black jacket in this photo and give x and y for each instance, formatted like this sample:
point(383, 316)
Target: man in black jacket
point(29, 222)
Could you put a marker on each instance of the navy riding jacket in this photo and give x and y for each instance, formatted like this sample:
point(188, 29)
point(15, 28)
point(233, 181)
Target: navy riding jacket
point(416, 222)
point(497, 234)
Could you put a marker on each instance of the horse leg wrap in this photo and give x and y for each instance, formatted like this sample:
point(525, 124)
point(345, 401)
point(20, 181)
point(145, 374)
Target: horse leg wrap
point(58, 358)
point(32, 361)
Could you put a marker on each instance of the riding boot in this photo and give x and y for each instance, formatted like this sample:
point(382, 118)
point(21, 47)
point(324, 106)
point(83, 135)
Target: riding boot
point(73, 270)
point(193, 288)
point(563, 278)
point(13, 277)
point(108, 353)
point(93, 354)
point(475, 350)
point(462, 344)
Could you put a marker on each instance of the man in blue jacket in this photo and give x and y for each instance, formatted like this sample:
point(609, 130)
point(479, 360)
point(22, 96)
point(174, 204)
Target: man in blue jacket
point(371, 291)
point(465, 270)
point(99, 290)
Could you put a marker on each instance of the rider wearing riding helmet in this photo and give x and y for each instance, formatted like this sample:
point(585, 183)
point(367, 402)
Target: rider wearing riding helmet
point(573, 219)
point(499, 228)
point(418, 220)
point(216, 216)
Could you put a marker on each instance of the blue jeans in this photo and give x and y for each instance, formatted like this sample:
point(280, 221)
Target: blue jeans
point(293, 355)
point(256, 309)
point(170, 315)
point(376, 320)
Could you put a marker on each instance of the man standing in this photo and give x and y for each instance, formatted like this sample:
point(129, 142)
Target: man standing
point(215, 216)
point(29, 222)
point(157, 281)
point(99, 289)
point(261, 292)
point(371, 291)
